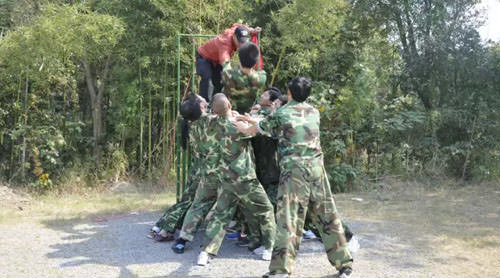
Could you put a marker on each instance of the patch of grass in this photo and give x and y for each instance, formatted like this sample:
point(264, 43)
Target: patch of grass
point(91, 204)
point(458, 224)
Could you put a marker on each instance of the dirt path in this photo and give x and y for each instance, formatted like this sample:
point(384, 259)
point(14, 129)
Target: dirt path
point(396, 245)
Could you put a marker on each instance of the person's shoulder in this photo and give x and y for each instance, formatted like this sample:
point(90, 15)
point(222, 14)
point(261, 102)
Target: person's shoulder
point(261, 72)
point(310, 109)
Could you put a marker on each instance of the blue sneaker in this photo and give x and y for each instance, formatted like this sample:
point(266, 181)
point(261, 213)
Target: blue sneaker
point(233, 235)
point(309, 235)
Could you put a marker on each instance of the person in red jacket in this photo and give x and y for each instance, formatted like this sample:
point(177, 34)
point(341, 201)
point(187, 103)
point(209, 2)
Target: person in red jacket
point(212, 55)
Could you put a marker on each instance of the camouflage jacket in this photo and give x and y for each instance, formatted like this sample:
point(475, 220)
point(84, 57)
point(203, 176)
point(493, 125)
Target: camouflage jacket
point(264, 111)
point(236, 152)
point(296, 126)
point(205, 146)
point(242, 89)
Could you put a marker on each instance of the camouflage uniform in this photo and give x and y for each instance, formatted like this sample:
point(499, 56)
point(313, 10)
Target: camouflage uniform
point(174, 216)
point(303, 186)
point(206, 194)
point(242, 89)
point(239, 185)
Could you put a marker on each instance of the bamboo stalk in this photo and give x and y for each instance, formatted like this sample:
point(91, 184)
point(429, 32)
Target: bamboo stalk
point(150, 116)
point(141, 135)
point(277, 66)
point(141, 124)
point(177, 103)
point(23, 157)
point(164, 125)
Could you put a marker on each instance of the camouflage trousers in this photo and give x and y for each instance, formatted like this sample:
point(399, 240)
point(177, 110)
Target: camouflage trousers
point(302, 189)
point(203, 202)
point(272, 192)
point(255, 205)
point(173, 218)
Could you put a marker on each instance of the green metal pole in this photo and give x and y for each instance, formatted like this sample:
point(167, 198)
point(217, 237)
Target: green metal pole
point(197, 35)
point(177, 107)
point(193, 79)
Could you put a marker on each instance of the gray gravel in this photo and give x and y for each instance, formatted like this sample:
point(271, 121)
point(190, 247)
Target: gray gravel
point(120, 248)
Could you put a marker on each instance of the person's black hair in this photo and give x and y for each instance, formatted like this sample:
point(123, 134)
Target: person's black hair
point(190, 111)
point(242, 34)
point(274, 93)
point(249, 54)
point(300, 87)
point(283, 99)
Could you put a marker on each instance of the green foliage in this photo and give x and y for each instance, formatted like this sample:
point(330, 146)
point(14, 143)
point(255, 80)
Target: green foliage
point(404, 87)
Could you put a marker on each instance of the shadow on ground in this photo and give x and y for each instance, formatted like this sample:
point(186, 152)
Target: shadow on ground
point(122, 244)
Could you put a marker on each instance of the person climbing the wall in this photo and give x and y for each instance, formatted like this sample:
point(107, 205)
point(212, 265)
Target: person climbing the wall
point(212, 55)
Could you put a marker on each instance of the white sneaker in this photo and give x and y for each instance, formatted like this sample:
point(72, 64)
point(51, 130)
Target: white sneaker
point(232, 224)
point(267, 254)
point(259, 251)
point(353, 245)
point(156, 229)
point(203, 258)
point(309, 235)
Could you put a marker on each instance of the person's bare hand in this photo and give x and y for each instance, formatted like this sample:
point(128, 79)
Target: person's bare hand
point(246, 118)
point(254, 109)
point(241, 126)
point(258, 29)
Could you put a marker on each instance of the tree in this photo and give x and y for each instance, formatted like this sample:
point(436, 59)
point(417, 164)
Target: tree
point(50, 53)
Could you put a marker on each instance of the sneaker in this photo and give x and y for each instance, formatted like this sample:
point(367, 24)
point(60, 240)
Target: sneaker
point(232, 224)
point(309, 235)
point(163, 236)
point(275, 275)
point(156, 229)
point(179, 246)
point(203, 258)
point(345, 272)
point(267, 254)
point(254, 244)
point(233, 235)
point(244, 242)
point(353, 245)
point(232, 227)
point(259, 251)
point(151, 235)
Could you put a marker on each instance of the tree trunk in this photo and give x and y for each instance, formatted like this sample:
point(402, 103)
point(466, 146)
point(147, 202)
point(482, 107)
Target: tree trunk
point(96, 93)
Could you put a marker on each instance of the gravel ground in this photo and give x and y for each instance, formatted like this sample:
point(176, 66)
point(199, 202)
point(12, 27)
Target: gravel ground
point(120, 248)
point(403, 232)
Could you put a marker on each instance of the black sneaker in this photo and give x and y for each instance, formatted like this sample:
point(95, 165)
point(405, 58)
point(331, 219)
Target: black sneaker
point(345, 272)
point(275, 275)
point(179, 246)
point(243, 242)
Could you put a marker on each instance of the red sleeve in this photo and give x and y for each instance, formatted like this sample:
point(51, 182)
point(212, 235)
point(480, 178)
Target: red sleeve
point(260, 63)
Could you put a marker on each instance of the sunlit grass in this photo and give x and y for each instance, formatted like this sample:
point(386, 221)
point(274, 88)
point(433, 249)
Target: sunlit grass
point(76, 206)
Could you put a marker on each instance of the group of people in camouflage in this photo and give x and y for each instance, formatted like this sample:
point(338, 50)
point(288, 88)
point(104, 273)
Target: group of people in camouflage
point(261, 160)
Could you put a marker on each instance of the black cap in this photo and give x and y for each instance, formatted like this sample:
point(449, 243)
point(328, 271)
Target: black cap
point(242, 34)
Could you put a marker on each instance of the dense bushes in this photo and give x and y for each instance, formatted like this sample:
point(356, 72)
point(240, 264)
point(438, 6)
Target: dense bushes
point(404, 89)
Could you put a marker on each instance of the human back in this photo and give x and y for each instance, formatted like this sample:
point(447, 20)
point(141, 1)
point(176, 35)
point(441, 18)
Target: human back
point(297, 131)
